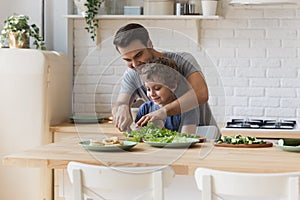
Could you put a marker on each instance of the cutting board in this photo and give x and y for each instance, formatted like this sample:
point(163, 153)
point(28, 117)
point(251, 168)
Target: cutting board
point(268, 144)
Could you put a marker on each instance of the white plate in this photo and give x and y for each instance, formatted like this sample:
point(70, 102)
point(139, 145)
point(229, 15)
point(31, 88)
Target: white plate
point(190, 142)
point(86, 119)
point(126, 146)
point(290, 148)
point(292, 144)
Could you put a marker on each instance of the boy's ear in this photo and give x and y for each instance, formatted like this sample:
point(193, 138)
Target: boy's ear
point(173, 88)
point(150, 45)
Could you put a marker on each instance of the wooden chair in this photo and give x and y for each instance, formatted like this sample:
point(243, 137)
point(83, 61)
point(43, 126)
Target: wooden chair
point(101, 182)
point(225, 185)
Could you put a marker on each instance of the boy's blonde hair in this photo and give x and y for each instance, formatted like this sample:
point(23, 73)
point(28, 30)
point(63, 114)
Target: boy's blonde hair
point(163, 70)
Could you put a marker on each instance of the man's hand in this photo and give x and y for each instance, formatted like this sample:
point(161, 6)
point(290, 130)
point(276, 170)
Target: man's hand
point(122, 117)
point(158, 115)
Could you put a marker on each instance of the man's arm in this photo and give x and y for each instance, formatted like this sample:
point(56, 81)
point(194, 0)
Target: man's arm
point(192, 98)
point(121, 112)
point(190, 128)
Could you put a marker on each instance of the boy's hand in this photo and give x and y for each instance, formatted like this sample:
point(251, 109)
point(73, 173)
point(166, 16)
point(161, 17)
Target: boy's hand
point(158, 115)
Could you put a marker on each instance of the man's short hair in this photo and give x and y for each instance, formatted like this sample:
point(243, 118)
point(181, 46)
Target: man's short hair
point(130, 32)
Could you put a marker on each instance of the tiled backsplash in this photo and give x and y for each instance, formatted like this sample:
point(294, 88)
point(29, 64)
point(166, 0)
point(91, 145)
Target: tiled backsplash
point(251, 60)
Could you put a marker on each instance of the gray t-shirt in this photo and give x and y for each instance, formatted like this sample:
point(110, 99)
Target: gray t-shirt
point(187, 64)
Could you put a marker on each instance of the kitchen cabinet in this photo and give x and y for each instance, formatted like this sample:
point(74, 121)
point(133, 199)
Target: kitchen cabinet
point(35, 93)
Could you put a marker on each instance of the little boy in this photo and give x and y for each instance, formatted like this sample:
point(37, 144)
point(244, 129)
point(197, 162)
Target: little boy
point(164, 84)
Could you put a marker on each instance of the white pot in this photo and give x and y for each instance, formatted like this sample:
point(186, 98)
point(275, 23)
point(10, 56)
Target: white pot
point(80, 6)
point(209, 7)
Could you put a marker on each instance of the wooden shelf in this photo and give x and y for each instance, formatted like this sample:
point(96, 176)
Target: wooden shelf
point(148, 17)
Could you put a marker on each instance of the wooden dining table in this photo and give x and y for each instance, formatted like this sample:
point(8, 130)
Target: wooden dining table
point(57, 155)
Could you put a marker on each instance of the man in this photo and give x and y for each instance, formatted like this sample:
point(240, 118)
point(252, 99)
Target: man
point(133, 43)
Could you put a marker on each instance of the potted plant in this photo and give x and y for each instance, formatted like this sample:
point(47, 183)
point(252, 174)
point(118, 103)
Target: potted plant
point(90, 10)
point(17, 31)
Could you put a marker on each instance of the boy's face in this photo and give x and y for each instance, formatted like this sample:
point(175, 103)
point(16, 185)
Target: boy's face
point(135, 54)
point(158, 93)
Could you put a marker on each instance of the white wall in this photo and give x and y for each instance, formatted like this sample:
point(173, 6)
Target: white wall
point(31, 8)
point(254, 51)
point(59, 25)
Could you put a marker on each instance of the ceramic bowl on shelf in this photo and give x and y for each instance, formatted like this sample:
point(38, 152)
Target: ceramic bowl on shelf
point(209, 7)
point(81, 8)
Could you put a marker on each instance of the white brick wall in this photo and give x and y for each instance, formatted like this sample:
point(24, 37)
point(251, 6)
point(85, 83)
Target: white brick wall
point(251, 60)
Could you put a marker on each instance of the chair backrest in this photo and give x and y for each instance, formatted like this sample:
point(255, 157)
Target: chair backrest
point(215, 184)
point(101, 182)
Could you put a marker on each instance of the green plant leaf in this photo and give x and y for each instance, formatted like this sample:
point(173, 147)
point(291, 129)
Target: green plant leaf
point(92, 23)
point(20, 24)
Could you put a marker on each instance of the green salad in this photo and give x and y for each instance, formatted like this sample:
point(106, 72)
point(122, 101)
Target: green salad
point(238, 139)
point(151, 133)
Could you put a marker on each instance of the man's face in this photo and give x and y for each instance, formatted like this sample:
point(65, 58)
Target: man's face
point(135, 54)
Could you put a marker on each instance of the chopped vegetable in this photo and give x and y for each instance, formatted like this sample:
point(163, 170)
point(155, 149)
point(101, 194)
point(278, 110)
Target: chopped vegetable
point(153, 134)
point(238, 139)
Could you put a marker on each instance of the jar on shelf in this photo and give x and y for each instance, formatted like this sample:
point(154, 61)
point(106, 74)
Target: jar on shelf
point(114, 7)
point(159, 7)
point(198, 7)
